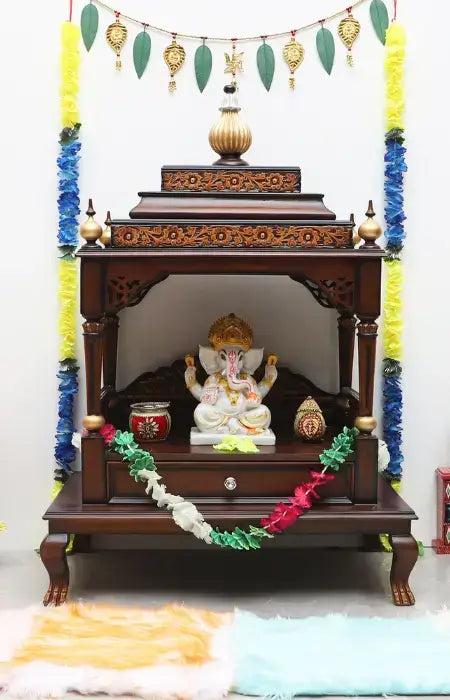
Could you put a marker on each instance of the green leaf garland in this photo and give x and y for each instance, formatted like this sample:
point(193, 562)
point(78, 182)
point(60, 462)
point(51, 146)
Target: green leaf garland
point(239, 539)
point(202, 65)
point(340, 448)
point(141, 462)
point(380, 18)
point(265, 60)
point(141, 52)
point(89, 25)
point(325, 48)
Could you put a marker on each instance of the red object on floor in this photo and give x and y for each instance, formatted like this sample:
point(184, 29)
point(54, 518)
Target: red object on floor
point(441, 544)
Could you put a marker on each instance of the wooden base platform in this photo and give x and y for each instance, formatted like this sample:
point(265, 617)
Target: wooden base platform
point(68, 515)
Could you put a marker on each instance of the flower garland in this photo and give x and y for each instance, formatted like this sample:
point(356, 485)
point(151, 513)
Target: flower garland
point(395, 168)
point(68, 211)
point(185, 514)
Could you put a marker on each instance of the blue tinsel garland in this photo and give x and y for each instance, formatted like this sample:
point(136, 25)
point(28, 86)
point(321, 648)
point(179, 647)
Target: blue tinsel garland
point(64, 450)
point(68, 200)
point(68, 210)
point(392, 425)
point(395, 167)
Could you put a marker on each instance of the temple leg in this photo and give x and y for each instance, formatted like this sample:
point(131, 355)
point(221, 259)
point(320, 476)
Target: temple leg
point(405, 553)
point(53, 556)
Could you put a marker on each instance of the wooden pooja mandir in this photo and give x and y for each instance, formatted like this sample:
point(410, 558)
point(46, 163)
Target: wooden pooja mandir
point(230, 218)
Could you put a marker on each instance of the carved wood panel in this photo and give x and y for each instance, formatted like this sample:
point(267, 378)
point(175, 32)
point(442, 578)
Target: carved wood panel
point(231, 236)
point(231, 181)
point(332, 294)
point(122, 292)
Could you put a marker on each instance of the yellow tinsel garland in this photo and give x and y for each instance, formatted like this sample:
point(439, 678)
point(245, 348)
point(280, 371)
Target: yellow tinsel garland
point(67, 293)
point(394, 59)
point(70, 69)
point(393, 323)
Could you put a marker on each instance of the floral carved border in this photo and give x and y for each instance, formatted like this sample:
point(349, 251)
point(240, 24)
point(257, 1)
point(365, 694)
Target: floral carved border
point(233, 181)
point(231, 235)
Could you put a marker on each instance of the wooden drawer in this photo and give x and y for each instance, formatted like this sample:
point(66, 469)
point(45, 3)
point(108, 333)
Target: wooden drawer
point(206, 482)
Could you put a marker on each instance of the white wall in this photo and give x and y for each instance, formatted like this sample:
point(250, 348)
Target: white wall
point(331, 126)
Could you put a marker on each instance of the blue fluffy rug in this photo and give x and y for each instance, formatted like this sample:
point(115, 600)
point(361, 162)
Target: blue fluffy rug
point(336, 655)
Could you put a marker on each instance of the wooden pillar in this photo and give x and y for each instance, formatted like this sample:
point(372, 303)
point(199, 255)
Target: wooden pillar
point(92, 449)
point(367, 339)
point(346, 331)
point(93, 355)
point(366, 476)
point(93, 446)
point(111, 332)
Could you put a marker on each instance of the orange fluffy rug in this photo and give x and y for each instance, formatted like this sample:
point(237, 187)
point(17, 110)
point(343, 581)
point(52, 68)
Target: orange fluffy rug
point(164, 654)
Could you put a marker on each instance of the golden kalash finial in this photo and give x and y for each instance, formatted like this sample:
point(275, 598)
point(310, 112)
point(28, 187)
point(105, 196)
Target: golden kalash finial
point(230, 330)
point(356, 238)
point(90, 230)
point(370, 229)
point(230, 137)
point(105, 238)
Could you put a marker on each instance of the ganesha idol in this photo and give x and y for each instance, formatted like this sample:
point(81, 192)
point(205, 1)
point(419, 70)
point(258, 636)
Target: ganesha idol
point(231, 399)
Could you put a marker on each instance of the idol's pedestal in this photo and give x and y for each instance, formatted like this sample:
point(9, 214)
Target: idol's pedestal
point(199, 438)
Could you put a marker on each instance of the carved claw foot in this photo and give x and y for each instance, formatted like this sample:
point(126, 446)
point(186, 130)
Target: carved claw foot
point(404, 556)
point(402, 594)
point(53, 556)
point(56, 593)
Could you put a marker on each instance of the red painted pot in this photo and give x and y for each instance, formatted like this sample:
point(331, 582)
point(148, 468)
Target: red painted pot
point(150, 421)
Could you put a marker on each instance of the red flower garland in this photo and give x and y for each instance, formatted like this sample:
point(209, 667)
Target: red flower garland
point(284, 515)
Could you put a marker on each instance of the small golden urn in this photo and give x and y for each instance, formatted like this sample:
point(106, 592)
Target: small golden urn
point(309, 423)
point(230, 136)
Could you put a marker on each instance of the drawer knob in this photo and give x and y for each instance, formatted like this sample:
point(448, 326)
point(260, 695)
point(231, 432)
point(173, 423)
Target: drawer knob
point(230, 483)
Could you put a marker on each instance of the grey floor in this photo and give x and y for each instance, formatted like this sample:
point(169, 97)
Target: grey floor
point(290, 583)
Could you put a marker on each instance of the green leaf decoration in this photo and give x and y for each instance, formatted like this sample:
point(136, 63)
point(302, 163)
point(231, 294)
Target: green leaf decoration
point(67, 252)
point(239, 535)
point(141, 52)
point(325, 48)
point(89, 25)
point(265, 60)
point(380, 18)
point(202, 65)
point(260, 532)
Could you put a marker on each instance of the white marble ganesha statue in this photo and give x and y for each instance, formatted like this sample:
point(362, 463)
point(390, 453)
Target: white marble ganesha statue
point(231, 399)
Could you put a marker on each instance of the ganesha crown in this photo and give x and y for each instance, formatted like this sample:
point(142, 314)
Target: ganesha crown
point(230, 330)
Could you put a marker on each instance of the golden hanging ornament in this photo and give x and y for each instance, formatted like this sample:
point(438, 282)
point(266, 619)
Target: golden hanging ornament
point(234, 63)
point(174, 56)
point(348, 30)
point(293, 54)
point(116, 36)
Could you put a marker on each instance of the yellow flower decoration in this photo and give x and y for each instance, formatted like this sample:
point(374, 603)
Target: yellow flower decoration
point(395, 54)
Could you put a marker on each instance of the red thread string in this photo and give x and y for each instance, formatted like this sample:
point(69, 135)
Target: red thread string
point(70, 10)
point(395, 9)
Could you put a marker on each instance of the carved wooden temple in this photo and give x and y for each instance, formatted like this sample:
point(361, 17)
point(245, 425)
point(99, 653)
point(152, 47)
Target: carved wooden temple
point(230, 218)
